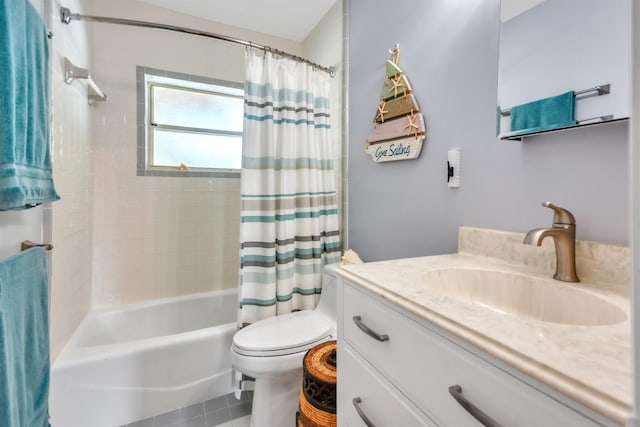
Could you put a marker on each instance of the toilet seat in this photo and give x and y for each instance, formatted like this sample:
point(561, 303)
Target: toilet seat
point(282, 335)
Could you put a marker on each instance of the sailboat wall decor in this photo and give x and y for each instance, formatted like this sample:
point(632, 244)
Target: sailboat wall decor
point(398, 127)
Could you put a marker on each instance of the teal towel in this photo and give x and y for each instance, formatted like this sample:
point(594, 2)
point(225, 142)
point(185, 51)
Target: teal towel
point(25, 162)
point(24, 340)
point(545, 114)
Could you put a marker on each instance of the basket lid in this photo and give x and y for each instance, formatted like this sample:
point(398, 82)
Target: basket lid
point(286, 334)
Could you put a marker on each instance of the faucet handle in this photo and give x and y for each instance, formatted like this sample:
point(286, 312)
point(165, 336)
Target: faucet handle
point(560, 215)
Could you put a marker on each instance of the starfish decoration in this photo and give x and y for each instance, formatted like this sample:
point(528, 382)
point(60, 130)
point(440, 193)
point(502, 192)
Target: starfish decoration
point(397, 84)
point(381, 111)
point(413, 128)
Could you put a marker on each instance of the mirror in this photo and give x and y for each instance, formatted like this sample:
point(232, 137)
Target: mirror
point(549, 47)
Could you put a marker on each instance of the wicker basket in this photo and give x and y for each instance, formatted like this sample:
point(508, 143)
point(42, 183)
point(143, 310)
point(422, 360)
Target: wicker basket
point(317, 406)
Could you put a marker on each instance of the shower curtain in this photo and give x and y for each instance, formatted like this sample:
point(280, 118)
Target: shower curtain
point(289, 221)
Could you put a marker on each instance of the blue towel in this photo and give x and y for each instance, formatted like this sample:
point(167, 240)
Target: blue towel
point(545, 114)
point(25, 162)
point(24, 340)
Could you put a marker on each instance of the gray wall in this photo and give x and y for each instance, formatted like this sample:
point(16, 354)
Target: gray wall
point(450, 55)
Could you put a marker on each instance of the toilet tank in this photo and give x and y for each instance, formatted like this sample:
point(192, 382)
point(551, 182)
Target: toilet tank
point(328, 298)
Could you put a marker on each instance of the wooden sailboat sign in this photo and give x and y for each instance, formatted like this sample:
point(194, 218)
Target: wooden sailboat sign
point(397, 149)
point(396, 107)
point(396, 86)
point(407, 125)
point(392, 66)
point(398, 127)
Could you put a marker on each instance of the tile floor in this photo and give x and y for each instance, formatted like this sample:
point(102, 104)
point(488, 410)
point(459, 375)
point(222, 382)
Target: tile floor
point(224, 411)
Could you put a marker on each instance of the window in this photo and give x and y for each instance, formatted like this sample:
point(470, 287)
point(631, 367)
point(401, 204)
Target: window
point(190, 125)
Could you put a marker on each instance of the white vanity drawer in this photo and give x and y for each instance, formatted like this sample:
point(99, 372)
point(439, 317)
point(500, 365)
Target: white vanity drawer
point(380, 403)
point(423, 365)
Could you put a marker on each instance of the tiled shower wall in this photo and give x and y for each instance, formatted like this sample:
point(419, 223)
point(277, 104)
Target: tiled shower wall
point(72, 155)
point(159, 236)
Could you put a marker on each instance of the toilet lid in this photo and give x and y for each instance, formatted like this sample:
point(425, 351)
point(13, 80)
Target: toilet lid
point(286, 334)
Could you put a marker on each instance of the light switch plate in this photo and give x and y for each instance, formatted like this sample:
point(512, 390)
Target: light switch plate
point(453, 161)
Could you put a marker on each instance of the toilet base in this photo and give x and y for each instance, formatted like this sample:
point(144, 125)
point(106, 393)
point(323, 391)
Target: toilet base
point(275, 400)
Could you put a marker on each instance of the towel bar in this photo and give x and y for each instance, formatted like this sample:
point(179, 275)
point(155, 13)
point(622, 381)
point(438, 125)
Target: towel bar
point(596, 90)
point(28, 244)
point(71, 72)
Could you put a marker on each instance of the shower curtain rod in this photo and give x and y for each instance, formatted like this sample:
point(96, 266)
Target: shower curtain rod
point(66, 17)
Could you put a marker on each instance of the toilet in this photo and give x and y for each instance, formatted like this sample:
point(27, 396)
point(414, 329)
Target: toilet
point(271, 351)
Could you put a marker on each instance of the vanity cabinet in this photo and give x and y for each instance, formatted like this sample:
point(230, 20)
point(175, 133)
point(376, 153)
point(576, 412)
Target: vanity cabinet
point(399, 369)
point(367, 394)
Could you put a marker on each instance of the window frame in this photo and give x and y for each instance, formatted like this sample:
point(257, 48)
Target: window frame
point(149, 77)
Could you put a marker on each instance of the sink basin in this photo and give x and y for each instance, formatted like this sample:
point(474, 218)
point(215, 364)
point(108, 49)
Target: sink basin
point(523, 296)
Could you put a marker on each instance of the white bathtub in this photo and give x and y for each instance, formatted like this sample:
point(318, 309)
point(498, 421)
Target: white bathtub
point(135, 361)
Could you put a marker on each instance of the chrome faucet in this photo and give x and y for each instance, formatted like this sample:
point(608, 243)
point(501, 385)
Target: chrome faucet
point(563, 232)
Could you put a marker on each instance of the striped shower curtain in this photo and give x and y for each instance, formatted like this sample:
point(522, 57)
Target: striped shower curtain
point(289, 226)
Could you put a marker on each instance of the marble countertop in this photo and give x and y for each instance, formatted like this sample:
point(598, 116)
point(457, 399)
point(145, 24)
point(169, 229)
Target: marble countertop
point(590, 364)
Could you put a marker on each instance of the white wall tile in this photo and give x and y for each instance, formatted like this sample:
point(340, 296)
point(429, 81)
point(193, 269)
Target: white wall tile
point(72, 216)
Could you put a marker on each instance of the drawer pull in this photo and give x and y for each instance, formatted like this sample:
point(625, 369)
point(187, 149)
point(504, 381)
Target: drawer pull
point(356, 404)
point(364, 328)
point(484, 419)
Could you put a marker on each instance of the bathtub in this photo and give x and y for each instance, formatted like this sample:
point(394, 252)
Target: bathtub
point(139, 360)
